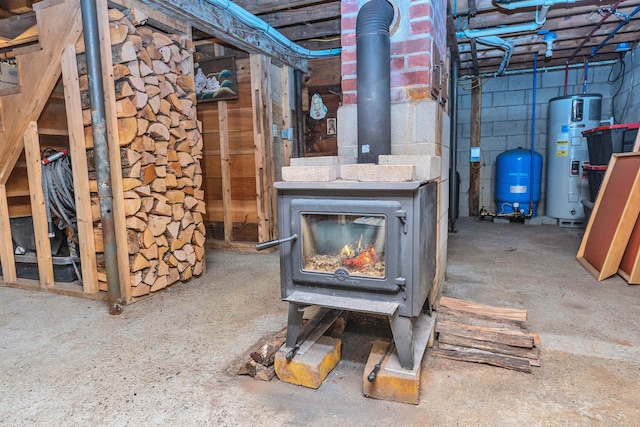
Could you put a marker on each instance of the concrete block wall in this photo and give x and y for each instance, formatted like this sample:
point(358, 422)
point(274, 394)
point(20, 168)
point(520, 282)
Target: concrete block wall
point(626, 105)
point(507, 107)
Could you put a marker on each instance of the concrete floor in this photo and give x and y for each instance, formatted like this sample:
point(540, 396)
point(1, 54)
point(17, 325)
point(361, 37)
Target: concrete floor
point(170, 359)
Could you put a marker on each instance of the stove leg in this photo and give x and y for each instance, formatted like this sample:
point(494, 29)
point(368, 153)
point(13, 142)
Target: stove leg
point(293, 323)
point(402, 329)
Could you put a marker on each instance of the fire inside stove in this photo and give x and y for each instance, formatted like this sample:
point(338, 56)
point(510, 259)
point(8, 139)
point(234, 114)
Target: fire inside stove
point(355, 243)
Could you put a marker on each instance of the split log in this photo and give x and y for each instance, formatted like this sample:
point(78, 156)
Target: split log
point(507, 337)
point(484, 357)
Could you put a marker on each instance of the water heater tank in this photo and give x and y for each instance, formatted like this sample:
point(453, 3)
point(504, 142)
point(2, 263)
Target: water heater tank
point(566, 153)
point(518, 181)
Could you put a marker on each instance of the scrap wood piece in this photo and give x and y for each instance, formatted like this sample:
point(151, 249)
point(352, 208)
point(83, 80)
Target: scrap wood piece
point(502, 336)
point(261, 350)
point(453, 304)
point(475, 320)
point(479, 356)
point(533, 354)
point(266, 354)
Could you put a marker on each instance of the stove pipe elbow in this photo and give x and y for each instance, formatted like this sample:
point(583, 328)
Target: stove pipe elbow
point(373, 55)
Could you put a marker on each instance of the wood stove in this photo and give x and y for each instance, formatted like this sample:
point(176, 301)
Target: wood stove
point(358, 246)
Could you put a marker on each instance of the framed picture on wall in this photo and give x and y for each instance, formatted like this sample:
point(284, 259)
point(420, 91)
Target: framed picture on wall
point(331, 126)
point(216, 79)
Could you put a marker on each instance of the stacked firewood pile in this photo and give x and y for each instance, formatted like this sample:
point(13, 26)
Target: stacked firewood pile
point(485, 334)
point(161, 147)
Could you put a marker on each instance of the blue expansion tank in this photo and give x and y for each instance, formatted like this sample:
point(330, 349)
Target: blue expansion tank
point(515, 184)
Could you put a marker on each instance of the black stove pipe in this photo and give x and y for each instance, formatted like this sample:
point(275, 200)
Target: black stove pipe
point(373, 49)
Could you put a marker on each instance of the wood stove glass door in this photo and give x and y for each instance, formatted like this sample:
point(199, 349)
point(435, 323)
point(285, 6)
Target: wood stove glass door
point(347, 244)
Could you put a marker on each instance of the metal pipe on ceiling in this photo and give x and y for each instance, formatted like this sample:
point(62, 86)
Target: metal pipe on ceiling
point(613, 8)
point(615, 30)
point(101, 151)
point(262, 26)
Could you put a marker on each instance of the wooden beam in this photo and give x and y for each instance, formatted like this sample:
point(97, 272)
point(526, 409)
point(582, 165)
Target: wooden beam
point(476, 134)
point(262, 119)
point(38, 209)
point(262, 6)
point(289, 17)
point(16, 6)
point(6, 243)
point(10, 28)
point(225, 170)
point(167, 23)
point(315, 31)
point(113, 142)
point(78, 152)
point(59, 25)
point(222, 25)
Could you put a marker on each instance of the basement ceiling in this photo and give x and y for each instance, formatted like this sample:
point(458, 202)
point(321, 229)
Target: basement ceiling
point(581, 31)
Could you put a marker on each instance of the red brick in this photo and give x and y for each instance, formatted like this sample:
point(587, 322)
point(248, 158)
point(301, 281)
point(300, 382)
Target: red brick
point(420, 60)
point(348, 54)
point(348, 23)
point(422, 44)
point(348, 40)
point(421, 27)
point(419, 11)
point(410, 78)
point(349, 69)
point(349, 98)
point(349, 84)
point(349, 6)
point(397, 63)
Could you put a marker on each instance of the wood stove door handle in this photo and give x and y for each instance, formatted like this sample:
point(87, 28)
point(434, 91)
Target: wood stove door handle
point(272, 243)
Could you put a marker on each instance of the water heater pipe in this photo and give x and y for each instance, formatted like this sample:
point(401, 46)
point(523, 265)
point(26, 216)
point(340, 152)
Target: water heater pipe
point(608, 13)
point(615, 30)
point(533, 132)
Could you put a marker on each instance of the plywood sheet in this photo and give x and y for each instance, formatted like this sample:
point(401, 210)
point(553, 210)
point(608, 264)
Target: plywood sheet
point(630, 264)
point(613, 218)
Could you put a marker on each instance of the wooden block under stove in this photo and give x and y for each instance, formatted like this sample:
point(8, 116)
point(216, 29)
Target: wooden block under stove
point(309, 369)
point(390, 385)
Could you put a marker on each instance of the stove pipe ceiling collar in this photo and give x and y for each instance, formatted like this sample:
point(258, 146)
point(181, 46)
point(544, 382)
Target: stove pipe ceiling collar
point(373, 56)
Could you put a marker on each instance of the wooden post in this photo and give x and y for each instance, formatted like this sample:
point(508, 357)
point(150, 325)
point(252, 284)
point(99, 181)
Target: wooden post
point(6, 244)
point(474, 172)
point(263, 140)
point(114, 150)
point(38, 209)
point(287, 121)
point(78, 152)
point(225, 170)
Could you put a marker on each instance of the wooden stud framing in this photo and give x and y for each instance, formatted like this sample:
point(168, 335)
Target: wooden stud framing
point(613, 218)
point(78, 152)
point(59, 25)
point(263, 141)
point(6, 244)
point(287, 121)
point(474, 172)
point(38, 208)
point(225, 170)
